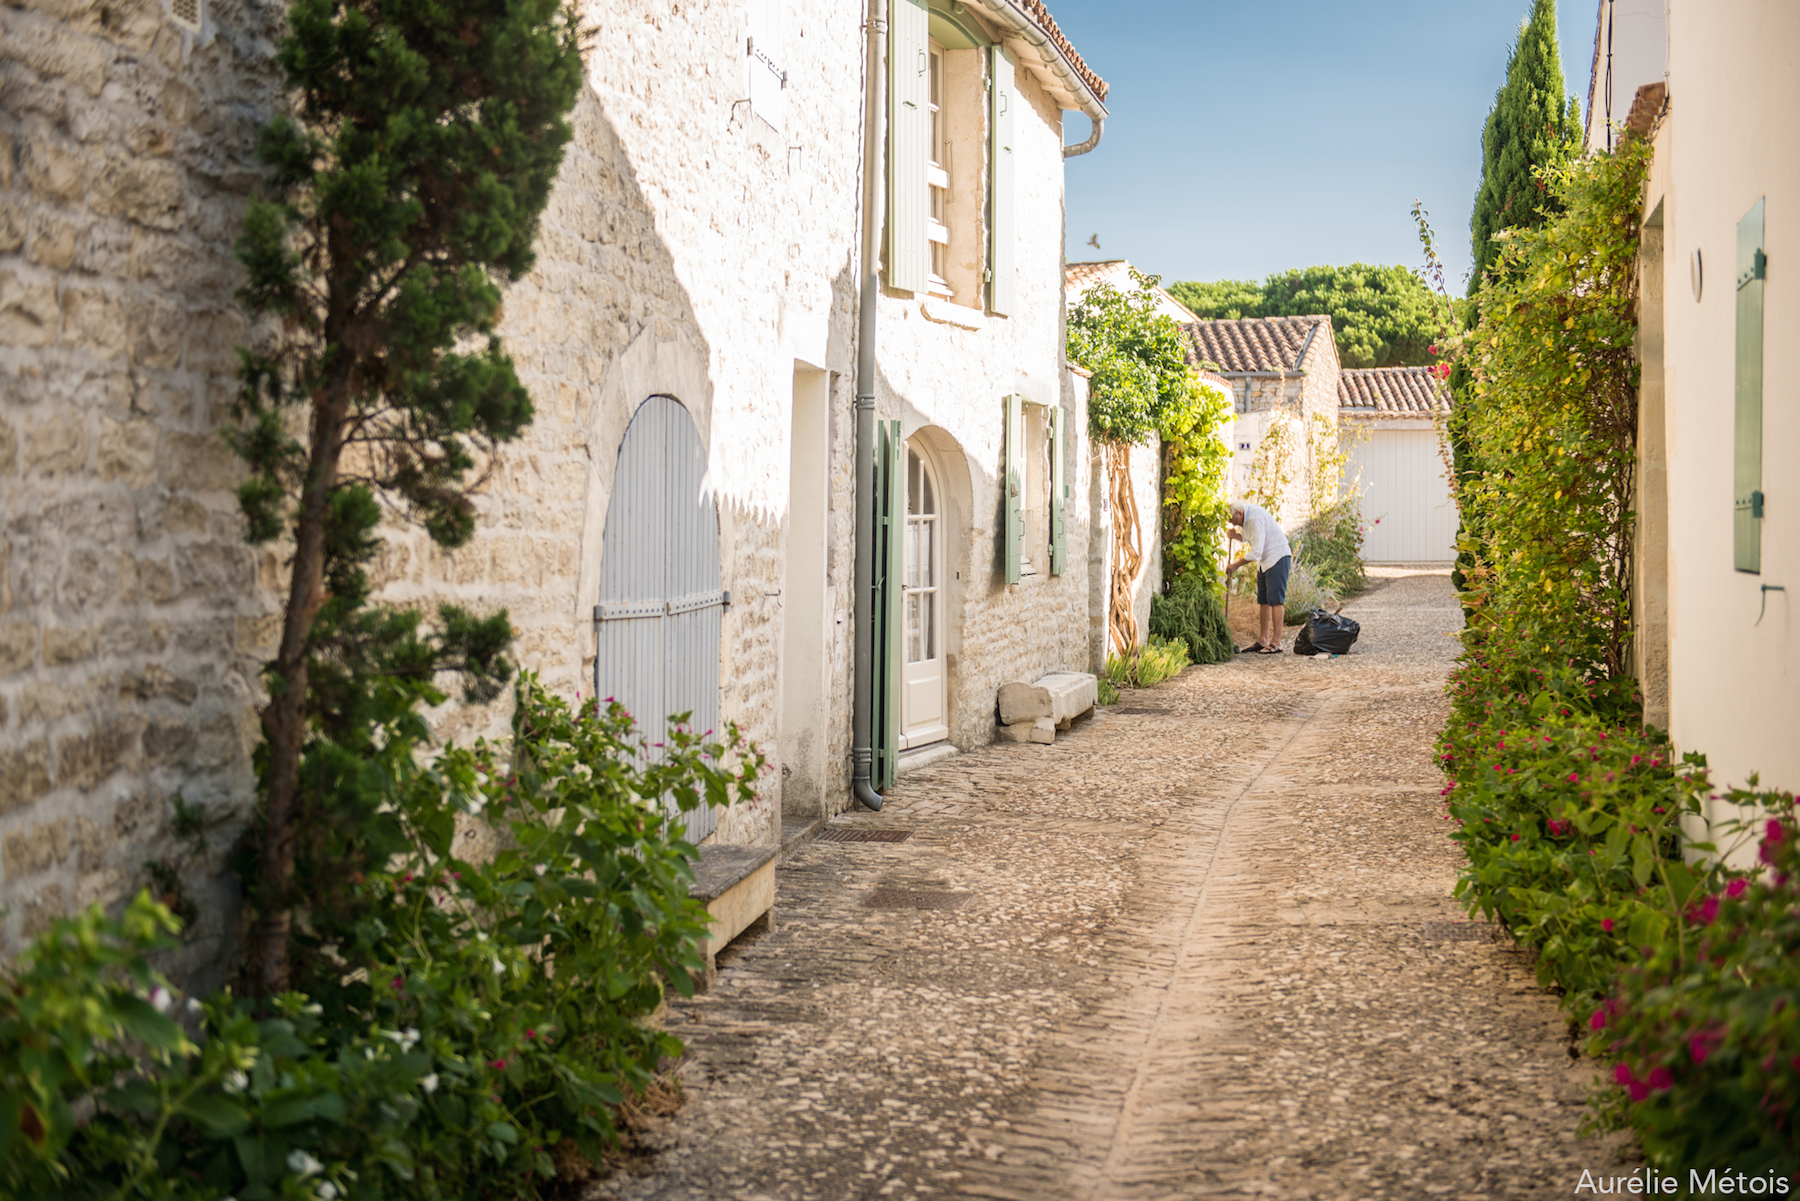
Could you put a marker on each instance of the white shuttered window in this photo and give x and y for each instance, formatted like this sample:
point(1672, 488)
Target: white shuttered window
point(909, 132)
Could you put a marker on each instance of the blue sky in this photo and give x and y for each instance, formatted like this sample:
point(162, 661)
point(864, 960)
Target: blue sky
point(1249, 137)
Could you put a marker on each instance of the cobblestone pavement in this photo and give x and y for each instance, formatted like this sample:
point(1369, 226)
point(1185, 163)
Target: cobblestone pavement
point(1202, 946)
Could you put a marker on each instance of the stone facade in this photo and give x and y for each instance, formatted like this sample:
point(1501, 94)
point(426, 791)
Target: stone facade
point(690, 249)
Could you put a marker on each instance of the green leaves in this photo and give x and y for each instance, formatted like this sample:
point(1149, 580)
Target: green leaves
point(1380, 316)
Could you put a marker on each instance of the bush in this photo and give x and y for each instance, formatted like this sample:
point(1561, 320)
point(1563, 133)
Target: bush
point(1706, 1031)
point(1306, 592)
point(1145, 667)
point(476, 1022)
point(1330, 544)
point(1193, 612)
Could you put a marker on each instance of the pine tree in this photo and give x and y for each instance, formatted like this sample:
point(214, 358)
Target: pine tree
point(1534, 124)
point(405, 189)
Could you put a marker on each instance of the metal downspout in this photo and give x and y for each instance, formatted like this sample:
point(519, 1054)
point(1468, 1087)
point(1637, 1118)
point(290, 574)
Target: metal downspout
point(862, 721)
point(1093, 139)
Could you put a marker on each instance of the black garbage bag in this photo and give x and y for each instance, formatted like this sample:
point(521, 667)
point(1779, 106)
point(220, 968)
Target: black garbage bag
point(1326, 634)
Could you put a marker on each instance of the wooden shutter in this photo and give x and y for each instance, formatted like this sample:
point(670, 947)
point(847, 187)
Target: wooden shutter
point(1003, 232)
point(1013, 494)
point(890, 567)
point(909, 131)
point(1746, 533)
point(764, 62)
point(1059, 496)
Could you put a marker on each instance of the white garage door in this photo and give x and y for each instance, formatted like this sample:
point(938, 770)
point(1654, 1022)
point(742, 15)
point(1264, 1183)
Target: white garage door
point(1403, 485)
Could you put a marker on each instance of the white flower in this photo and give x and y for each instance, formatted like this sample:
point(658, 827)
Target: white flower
point(481, 936)
point(235, 1082)
point(162, 998)
point(193, 1005)
point(429, 1083)
point(368, 1052)
point(315, 1009)
point(327, 1191)
point(303, 1163)
point(499, 968)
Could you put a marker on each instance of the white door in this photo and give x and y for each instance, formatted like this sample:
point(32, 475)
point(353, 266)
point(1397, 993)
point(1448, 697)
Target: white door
point(922, 708)
point(1408, 516)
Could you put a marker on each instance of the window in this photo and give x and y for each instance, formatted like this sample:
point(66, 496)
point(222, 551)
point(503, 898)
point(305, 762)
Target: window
point(937, 177)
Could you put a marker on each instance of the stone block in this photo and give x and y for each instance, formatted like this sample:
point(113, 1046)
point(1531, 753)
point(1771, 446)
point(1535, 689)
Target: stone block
point(148, 191)
point(28, 312)
point(9, 449)
point(169, 742)
point(24, 774)
point(53, 245)
point(12, 225)
point(128, 450)
point(86, 759)
point(198, 463)
point(87, 838)
point(18, 647)
point(156, 682)
point(94, 321)
point(212, 342)
point(42, 907)
point(35, 848)
point(55, 171)
point(1043, 730)
point(1058, 696)
point(154, 328)
point(65, 645)
point(1019, 731)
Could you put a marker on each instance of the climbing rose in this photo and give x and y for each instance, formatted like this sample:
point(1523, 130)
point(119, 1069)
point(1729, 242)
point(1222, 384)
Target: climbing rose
point(1737, 888)
point(1606, 924)
point(1659, 1079)
point(1598, 1021)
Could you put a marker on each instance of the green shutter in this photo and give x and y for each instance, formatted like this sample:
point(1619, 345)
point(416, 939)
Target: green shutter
point(1746, 533)
point(890, 565)
point(1003, 234)
point(1059, 497)
point(909, 131)
point(1013, 498)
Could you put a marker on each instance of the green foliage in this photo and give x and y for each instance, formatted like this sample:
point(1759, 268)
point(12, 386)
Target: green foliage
point(1705, 1032)
point(475, 1016)
point(1139, 360)
point(406, 185)
point(1195, 462)
point(1330, 545)
point(1533, 130)
point(1306, 591)
point(1192, 612)
point(1146, 666)
point(1553, 427)
point(1380, 316)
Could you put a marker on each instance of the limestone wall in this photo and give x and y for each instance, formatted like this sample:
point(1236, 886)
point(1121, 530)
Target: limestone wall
point(132, 616)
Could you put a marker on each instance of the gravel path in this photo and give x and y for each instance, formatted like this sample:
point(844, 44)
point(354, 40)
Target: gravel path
point(1203, 946)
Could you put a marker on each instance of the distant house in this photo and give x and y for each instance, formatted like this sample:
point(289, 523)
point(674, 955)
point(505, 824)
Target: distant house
point(1283, 374)
point(1081, 277)
point(1394, 414)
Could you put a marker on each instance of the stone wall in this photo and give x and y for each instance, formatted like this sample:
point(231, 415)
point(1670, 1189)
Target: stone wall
point(689, 249)
point(133, 618)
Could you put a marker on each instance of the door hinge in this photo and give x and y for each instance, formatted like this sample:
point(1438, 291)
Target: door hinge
point(1759, 269)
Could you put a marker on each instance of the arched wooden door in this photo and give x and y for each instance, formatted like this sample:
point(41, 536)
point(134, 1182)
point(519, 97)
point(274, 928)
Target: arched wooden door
point(923, 711)
point(660, 607)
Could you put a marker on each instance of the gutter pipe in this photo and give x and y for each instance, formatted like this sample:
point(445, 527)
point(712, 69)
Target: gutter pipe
point(862, 752)
point(1020, 25)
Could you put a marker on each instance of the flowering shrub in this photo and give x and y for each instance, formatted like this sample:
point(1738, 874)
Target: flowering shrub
point(475, 1023)
point(1705, 1032)
point(1330, 544)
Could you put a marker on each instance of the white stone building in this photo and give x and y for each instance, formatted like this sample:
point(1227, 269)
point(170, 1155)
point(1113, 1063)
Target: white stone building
point(690, 337)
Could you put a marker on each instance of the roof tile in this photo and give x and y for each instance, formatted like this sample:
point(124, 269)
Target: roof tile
point(1391, 391)
point(1253, 343)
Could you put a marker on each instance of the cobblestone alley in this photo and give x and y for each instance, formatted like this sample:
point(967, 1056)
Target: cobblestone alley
point(1202, 946)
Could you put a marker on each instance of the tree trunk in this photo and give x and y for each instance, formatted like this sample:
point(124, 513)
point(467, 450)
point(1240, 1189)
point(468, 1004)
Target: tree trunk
point(1127, 549)
point(284, 719)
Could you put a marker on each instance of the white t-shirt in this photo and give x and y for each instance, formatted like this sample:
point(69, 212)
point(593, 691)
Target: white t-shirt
point(1264, 540)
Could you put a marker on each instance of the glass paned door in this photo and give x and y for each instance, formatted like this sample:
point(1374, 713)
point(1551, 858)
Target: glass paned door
point(922, 707)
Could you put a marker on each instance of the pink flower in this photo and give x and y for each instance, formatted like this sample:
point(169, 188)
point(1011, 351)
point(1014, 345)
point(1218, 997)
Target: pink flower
point(1606, 924)
point(1774, 831)
point(1737, 888)
point(1660, 1079)
point(499, 1065)
point(1638, 1090)
point(1515, 838)
point(1574, 777)
point(1706, 912)
point(531, 1034)
point(1598, 1021)
point(1621, 1074)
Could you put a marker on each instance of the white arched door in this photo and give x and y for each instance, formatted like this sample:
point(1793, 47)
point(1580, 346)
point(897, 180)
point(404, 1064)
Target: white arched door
point(658, 619)
point(923, 712)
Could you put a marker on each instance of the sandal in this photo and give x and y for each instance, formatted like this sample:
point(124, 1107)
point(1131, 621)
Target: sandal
point(1255, 648)
point(1270, 650)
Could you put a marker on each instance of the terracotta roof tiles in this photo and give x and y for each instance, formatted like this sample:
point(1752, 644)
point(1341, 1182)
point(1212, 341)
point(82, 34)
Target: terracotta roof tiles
point(1391, 391)
point(1040, 16)
point(1253, 344)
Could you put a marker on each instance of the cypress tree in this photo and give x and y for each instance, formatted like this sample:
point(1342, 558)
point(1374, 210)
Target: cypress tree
point(1534, 124)
point(406, 187)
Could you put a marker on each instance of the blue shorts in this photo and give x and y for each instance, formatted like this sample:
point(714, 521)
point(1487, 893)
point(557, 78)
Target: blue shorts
point(1271, 585)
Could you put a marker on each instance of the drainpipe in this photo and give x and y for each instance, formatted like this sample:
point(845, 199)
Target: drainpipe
point(862, 743)
point(1093, 139)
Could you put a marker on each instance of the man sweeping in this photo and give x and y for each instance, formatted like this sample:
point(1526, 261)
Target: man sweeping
point(1266, 546)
